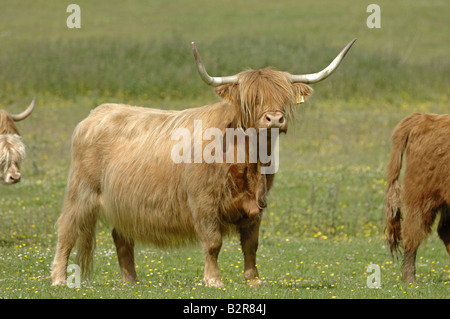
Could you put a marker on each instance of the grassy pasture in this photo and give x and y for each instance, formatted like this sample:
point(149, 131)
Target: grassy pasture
point(324, 222)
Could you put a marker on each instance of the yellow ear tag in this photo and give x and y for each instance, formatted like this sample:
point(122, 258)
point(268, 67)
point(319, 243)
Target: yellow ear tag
point(300, 99)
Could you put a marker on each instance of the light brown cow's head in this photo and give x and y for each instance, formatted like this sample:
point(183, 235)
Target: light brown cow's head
point(12, 152)
point(266, 98)
point(12, 149)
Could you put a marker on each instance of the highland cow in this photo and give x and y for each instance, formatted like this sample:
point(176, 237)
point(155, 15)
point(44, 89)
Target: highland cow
point(12, 149)
point(122, 167)
point(426, 185)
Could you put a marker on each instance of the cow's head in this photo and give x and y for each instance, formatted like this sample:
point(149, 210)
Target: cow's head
point(266, 98)
point(12, 152)
point(12, 149)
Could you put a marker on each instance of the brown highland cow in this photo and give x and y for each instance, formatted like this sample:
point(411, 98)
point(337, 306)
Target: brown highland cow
point(426, 185)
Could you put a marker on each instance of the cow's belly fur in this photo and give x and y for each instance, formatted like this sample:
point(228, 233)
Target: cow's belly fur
point(144, 205)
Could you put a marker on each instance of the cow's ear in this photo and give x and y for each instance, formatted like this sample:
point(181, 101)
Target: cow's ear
point(229, 93)
point(301, 91)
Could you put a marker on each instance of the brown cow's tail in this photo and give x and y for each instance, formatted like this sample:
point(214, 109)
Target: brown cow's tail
point(393, 198)
point(393, 217)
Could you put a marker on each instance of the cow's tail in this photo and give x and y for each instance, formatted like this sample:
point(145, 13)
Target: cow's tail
point(86, 243)
point(393, 216)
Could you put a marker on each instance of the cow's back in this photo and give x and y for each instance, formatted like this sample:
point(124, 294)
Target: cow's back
point(427, 159)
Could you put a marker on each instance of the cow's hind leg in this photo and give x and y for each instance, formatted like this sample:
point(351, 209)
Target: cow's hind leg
point(125, 254)
point(249, 242)
point(416, 226)
point(67, 237)
point(444, 226)
point(77, 222)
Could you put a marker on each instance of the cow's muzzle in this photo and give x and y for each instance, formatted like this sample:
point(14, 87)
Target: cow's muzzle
point(274, 120)
point(13, 178)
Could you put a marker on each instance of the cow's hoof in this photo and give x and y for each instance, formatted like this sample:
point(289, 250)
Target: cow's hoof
point(58, 282)
point(214, 283)
point(254, 282)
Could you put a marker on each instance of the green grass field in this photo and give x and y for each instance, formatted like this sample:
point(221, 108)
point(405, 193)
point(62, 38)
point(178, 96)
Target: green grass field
point(324, 223)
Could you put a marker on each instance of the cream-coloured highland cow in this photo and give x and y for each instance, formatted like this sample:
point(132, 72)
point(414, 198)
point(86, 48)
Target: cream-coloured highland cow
point(12, 149)
point(123, 167)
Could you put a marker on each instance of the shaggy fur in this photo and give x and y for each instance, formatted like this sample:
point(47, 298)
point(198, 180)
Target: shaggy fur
point(12, 150)
point(122, 168)
point(12, 153)
point(426, 185)
point(7, 125)
point(267, 88)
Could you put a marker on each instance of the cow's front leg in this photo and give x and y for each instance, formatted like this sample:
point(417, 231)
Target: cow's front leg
point(211, 247)
point(249, 243)
point(211, 238)
point(211, 275)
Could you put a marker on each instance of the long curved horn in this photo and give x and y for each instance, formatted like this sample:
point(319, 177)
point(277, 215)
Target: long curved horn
point(24, 114)
point(210, 80)
point(319, 76)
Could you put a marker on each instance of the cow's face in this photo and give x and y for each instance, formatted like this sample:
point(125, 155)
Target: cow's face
point(264, 98)
point(12, 152)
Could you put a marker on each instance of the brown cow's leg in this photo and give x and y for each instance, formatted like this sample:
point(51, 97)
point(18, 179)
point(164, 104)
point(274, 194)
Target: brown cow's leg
point(413, 235)
point(249, 242)
point(409, 267)
point(125, 255)
point(416, 226)
point(444, 227)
